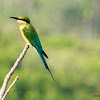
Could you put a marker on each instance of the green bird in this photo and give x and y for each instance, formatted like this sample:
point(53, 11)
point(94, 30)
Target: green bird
point(31, 37)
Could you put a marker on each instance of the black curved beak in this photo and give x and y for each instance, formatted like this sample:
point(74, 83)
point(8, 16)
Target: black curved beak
point(14, 18)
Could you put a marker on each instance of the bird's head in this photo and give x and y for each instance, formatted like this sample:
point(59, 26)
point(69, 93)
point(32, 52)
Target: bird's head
point(22, 20)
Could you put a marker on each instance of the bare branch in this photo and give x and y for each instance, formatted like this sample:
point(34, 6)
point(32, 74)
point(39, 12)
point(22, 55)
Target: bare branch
point(11, 72)
point(10, 88)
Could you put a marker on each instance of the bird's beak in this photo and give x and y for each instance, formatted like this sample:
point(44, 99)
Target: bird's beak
point(14, 18)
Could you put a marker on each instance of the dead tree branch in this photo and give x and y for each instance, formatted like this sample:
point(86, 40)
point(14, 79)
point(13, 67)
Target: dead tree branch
point(11, 72)
point(10, 88)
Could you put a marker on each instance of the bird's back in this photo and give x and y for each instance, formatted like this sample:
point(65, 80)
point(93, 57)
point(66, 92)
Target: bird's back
point(30, 36)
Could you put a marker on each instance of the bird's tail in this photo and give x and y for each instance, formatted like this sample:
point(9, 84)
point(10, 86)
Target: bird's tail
point(44, 62)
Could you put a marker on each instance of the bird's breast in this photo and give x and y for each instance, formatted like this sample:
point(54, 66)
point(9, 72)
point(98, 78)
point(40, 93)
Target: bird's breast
point(25, 39)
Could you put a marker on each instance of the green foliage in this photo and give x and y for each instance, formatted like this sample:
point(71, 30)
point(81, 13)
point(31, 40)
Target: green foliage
point(74, 63)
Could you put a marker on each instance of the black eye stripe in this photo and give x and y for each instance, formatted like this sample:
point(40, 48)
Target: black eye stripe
point(24, 20)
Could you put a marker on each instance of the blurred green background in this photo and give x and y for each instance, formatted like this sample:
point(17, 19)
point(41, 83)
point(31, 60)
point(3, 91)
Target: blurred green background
point(70, 35)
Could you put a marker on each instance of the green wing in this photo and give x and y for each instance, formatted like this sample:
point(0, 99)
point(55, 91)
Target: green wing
point(33, 39)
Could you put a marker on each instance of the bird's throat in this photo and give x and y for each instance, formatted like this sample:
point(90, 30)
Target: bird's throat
point(21, 23)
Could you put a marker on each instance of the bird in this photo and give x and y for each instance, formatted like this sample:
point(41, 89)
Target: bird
point(31, 37)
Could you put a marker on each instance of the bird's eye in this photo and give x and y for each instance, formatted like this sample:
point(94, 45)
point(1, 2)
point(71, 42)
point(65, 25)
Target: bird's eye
point(24, 20)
